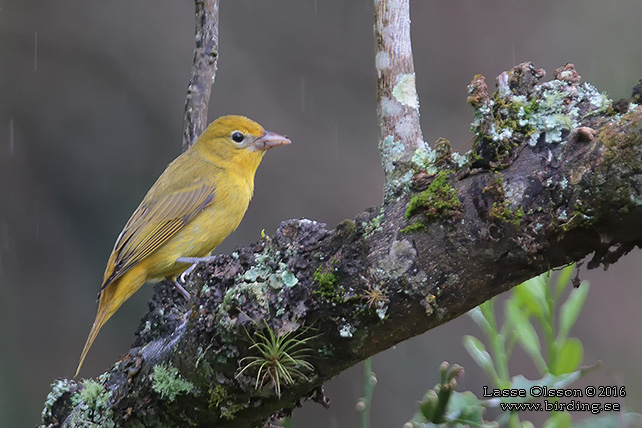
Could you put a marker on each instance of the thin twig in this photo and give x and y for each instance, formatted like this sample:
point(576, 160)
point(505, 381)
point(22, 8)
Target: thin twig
point(369, 382)
point(203, 71)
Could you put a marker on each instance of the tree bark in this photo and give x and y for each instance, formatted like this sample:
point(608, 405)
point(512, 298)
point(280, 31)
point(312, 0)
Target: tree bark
point(397, 100)
point(555, 174)
point(203, 71)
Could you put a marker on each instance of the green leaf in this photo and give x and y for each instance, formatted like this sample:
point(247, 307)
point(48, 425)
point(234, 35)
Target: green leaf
point(428, 406)
point(564, 279)
point(478, 352)
point(570, 310)
point(569, 357)
point(465, 408)
point(532, 294)
point(526, 334)
point(488, 310)
point(481, 321)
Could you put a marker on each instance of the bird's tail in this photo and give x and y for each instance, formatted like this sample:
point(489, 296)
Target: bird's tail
point(111, 298)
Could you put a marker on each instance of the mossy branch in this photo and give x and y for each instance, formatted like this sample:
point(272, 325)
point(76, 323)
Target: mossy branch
point(507, 215)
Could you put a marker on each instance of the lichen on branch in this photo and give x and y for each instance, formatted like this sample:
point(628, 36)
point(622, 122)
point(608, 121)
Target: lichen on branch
point(397, 101)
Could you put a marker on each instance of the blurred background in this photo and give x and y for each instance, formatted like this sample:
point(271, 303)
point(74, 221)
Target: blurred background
point(91, 107)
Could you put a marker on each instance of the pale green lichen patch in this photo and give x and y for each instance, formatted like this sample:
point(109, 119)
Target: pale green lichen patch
point(391, 152)
point(424, 159)
point(91, 407)
point(399, 259)
point(94, 396)
point(405, 127)
point(428, 159)
point(168, 383)
point(287, 278)
point(547, 113)
point(346, 330)
point(236, 296)
point(374, 225)
point(459, 159)
point(58, 389)
point(405, 91)
point(399, 185)
point(558, 109)
point(636, 199)
point(255, 281)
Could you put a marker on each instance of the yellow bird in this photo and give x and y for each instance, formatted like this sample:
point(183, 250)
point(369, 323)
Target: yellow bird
point(197, 201)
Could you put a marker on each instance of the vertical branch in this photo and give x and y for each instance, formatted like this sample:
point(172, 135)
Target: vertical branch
point(397, 101)
point(203, 71)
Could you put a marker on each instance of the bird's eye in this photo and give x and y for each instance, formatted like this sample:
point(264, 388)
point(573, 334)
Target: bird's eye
point(237, 136)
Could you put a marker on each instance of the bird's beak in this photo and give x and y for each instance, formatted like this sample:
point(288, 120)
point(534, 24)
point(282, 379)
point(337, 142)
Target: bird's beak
point(270, 139)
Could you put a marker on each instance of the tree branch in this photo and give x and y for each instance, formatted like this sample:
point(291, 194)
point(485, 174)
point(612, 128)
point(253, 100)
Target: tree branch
point(552, 194)
point(397, 101)
point(203, 71)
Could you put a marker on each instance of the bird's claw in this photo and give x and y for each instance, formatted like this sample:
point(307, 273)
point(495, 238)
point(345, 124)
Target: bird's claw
point(183, 291)
point(194, 261)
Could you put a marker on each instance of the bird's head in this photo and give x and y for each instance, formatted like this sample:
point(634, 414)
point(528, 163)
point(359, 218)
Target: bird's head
point(237, 139)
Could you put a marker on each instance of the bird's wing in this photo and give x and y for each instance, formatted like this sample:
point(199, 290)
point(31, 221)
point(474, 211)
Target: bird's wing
point(153, 223)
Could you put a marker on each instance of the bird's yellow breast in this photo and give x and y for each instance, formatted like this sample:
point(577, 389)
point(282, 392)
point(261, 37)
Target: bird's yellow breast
point(206, 231)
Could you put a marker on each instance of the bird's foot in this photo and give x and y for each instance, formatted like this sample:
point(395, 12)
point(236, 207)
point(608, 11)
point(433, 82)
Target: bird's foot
point(194, 261)
point(183, 291)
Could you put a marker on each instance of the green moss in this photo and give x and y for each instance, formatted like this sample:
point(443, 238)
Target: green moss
point(218, 396)
point(346, 229)
point(501, 211)
point(220, 399)
point(325, 279)
point(438, 202)
point(530, 107)
point(328, 285)
point(92, 407)
point(578, 220)
point(417, 226)
point(168, 383)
